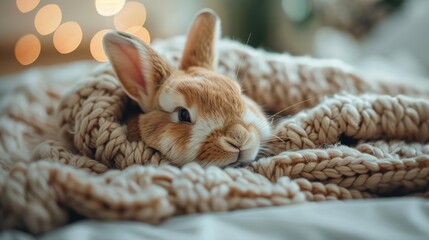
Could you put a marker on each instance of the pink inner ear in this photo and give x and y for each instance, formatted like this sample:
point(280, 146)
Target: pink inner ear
point(133, 66)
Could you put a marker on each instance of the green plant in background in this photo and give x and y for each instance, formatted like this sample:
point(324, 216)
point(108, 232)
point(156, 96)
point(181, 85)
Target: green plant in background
point(357, 17)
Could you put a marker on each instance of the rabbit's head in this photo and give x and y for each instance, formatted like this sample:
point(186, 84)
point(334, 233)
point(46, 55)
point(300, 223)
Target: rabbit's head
point(192, 113)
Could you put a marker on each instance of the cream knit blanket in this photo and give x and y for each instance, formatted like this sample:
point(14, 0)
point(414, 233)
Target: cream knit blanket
point(64, 149)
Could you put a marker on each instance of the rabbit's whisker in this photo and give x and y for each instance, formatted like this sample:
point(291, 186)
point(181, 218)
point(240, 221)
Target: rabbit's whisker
point(241, 59)
point(295, 104)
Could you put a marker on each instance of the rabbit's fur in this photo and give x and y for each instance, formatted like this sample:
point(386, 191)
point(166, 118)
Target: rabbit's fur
point(225, 127)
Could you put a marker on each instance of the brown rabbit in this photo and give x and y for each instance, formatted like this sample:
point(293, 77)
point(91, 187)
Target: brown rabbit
point(192, 113)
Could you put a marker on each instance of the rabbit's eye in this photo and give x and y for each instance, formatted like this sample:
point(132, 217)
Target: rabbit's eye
point(184, 115)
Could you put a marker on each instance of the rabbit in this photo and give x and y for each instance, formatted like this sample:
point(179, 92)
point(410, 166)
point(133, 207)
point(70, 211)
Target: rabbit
point(192, 113)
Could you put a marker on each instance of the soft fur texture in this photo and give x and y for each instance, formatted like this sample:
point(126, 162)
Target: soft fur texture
point(226, 127)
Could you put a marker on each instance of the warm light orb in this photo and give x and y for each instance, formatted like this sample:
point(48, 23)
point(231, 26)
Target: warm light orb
point(26, 5)
point(27, 49)
point(48, 18)
point(140, 32)
point(96, 46)
point(67, 37)
point(109, 7)
point(132, 14)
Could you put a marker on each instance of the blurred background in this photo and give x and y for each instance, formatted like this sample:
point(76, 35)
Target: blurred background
point(378, 36)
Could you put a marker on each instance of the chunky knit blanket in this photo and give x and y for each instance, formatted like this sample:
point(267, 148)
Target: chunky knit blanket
point(338, 135)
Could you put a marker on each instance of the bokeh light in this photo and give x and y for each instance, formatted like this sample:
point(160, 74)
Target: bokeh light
point(132, 14)
point(48, 18)
point(26, 5)
point(109, 7)
point(67, 37)
point(127, 16)
point(27, 49)
point(140, 32)
point(96, 46)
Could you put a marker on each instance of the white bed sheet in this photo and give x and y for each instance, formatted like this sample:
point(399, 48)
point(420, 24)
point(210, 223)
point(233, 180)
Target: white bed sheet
point(396, 218)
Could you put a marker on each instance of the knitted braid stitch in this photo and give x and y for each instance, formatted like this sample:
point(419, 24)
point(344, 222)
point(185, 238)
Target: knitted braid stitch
point(37, 195)
point(305, 160)
point(360, 117)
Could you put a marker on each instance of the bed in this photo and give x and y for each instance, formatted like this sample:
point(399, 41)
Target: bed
point(316, 208)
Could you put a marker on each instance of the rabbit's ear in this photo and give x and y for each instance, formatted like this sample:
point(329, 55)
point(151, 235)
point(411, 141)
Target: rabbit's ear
point(138, 67)
point(201, 43)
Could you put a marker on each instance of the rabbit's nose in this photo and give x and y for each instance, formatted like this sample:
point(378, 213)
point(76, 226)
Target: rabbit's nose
point(230, 144)
point(233, 143)
point(237, 136)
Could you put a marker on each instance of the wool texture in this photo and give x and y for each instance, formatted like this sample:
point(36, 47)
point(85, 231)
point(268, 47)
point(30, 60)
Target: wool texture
point(340, 135)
